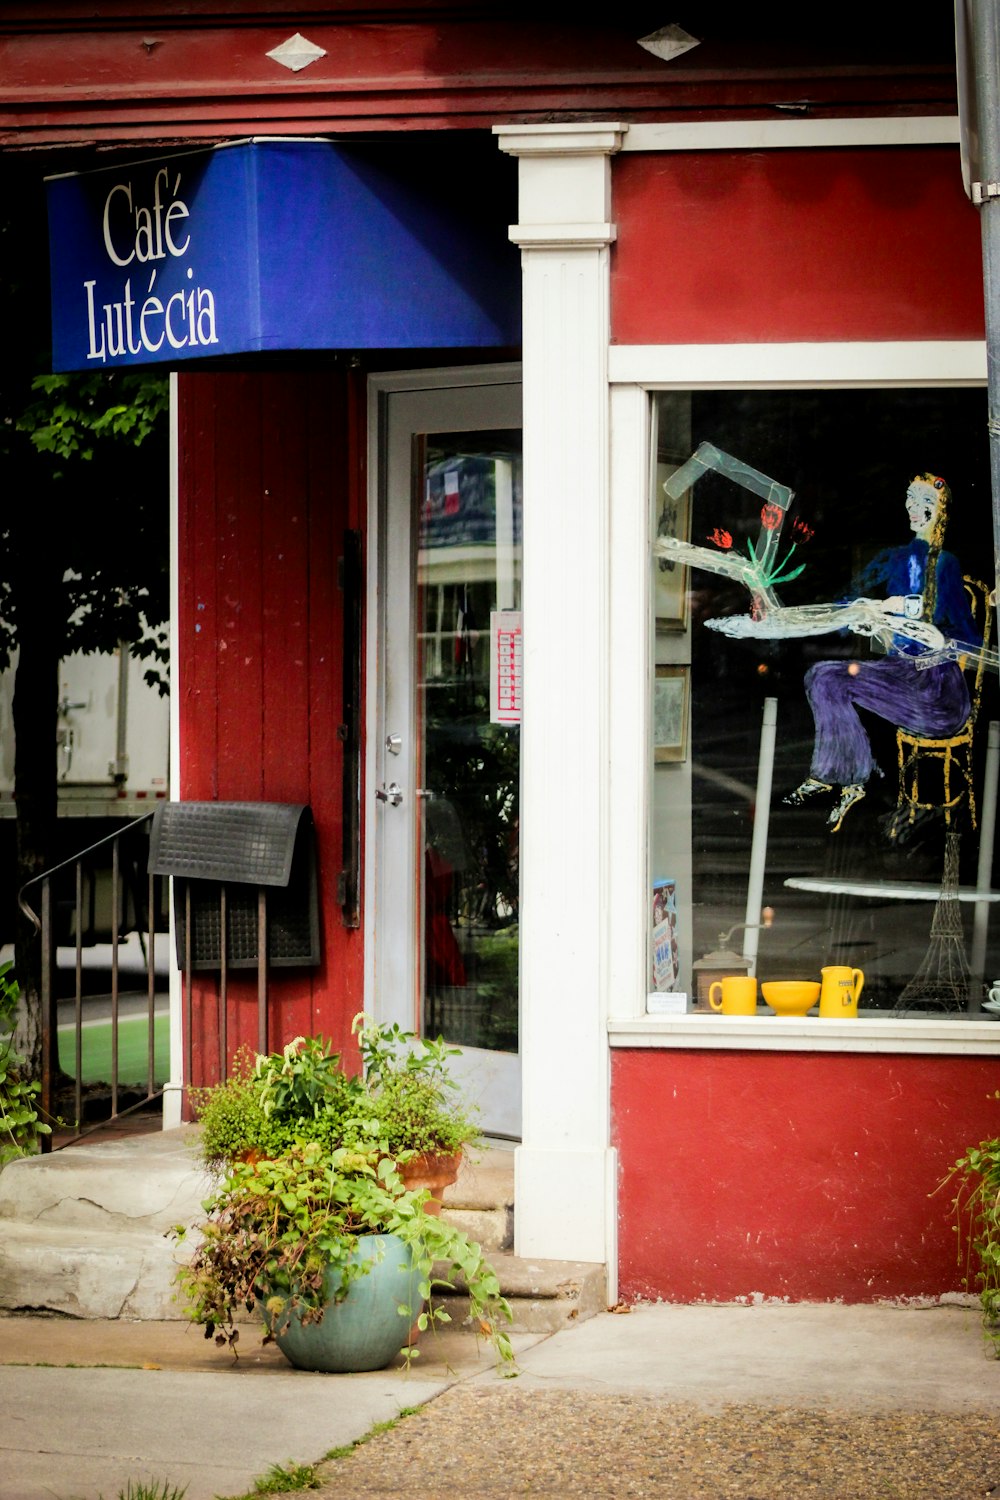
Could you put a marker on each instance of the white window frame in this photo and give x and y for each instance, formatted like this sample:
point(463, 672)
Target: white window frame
point(636, 372)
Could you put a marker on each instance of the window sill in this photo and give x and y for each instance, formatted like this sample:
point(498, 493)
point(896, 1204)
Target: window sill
point(870, 1032)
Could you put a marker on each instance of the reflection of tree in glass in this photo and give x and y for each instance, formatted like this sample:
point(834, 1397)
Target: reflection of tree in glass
point(473, 765)
point(472, 823)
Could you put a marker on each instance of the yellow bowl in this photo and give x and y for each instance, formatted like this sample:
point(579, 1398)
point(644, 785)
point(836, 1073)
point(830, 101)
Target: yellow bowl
point(790, 997)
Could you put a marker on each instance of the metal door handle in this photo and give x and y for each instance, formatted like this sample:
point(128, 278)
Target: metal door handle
point(393, 793)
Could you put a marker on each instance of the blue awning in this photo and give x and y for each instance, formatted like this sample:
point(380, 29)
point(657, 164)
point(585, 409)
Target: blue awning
point(272, 245)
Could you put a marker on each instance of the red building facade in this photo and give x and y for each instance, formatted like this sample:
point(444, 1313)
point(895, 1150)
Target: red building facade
point(699, 262)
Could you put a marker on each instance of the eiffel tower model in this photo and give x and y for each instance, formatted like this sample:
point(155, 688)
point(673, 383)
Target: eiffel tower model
point(943, 979)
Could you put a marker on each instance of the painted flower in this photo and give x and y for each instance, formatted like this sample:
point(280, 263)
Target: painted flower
point(721, 538)
point(771, 516)
point(803, 532)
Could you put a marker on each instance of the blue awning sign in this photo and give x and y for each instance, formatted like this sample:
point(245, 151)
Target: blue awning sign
point(136, 235)
point(268, 245)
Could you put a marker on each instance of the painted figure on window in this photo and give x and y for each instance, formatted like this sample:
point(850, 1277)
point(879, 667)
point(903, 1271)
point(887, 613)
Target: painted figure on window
point(923, 624)
point(922, 583)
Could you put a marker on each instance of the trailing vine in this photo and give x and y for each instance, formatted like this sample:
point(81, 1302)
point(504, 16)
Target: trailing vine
point(20, 1127)
point(977, 1213)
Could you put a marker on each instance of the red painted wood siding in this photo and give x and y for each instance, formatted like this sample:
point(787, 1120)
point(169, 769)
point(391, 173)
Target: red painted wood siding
point(269, 479)
point(803, 1176)
point(787, 246)
point(74, 72)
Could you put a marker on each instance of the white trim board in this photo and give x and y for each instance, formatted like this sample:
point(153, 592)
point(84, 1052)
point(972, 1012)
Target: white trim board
point(768, 135)
point(719, 366)
point(938, 1035)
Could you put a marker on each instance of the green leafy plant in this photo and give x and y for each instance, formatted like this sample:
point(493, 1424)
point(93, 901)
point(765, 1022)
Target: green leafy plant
point(20, 1126)
point(977, 1214)
point(232, 1118)
point(282, 1231)
point(404, 1102)
point(412, 1103)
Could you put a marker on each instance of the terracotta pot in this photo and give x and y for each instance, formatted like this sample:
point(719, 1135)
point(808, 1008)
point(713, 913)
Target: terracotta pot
point(434, 1171)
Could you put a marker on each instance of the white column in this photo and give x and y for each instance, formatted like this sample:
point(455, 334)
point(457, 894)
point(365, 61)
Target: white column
point(565, 1168)
point(173, 1093)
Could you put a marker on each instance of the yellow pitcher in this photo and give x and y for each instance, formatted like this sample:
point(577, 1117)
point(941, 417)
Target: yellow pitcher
point(840, 990)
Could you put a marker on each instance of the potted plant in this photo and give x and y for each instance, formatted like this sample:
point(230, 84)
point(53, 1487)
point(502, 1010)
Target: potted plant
point(404, 1098)
point(339, 1254)
point(977, 1215)
point(325, 1193)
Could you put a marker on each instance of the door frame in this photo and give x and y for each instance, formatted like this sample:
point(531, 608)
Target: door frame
point(381, 387)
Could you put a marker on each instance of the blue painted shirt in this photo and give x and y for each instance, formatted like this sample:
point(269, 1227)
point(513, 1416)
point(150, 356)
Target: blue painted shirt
point(903, 570)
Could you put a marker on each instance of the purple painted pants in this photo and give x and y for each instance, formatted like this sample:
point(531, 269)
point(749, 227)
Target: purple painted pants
point(934, 702)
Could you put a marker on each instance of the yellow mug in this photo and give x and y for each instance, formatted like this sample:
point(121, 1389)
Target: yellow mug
point(840, 990)
point(737, 995)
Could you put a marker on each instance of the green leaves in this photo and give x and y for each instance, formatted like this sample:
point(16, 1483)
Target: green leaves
point(405, 1100)
point(20, 1126)
point(977, 1224)
point(287, 1229)
point(72, 410)
point(321, 1152)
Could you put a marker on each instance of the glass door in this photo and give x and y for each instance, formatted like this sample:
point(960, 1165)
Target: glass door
point(447, 756)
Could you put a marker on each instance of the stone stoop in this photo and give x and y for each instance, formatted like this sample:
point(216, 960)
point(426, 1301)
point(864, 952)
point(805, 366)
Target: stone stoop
point(481, 1202)
point(84, 1232)
point(545, 1295)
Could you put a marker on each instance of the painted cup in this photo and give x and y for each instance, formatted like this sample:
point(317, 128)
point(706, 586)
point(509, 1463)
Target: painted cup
point(734, 996)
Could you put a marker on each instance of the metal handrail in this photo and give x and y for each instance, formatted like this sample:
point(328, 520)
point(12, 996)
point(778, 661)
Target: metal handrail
point(43, 924)
point(73, 859)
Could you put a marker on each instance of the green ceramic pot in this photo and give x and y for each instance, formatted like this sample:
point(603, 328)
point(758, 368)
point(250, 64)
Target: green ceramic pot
point(365, 1331)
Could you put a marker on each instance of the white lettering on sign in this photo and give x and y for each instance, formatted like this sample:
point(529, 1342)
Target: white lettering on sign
point(150, 228)
point(136, 234)
point(186, 320)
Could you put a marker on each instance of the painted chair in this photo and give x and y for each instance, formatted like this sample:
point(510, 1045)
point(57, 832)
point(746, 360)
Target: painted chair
point(952, 755)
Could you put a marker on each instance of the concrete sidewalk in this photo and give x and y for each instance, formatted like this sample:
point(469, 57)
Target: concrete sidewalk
point(163, 1404)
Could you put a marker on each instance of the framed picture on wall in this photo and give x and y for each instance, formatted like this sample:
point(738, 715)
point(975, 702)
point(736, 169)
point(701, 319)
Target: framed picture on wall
point(671, 517)
point(670, 713)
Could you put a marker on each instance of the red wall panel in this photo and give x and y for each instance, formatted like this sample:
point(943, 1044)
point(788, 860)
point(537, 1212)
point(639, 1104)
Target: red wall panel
point(789, 246)
point(269, 481)
point(802, 1176)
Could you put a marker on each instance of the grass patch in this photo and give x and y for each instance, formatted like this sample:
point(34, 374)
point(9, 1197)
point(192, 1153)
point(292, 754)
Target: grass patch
point(376, 1430)
point(278, 1480)
point(158, 1490)
point(133, 1051)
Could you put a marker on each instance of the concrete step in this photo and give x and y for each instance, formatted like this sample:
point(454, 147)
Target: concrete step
point(85, 1232)
point(87, 1273)
point(146, 1183)
point(544, 1295)
point(481, 1202)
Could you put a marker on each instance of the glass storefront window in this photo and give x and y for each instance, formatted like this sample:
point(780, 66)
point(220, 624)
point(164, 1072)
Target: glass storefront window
point(822, 577)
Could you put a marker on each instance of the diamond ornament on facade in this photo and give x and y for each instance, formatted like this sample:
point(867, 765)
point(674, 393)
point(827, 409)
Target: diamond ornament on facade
point(296, 53)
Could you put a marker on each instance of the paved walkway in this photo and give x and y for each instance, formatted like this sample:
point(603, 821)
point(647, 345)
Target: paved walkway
point(843, 1403)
